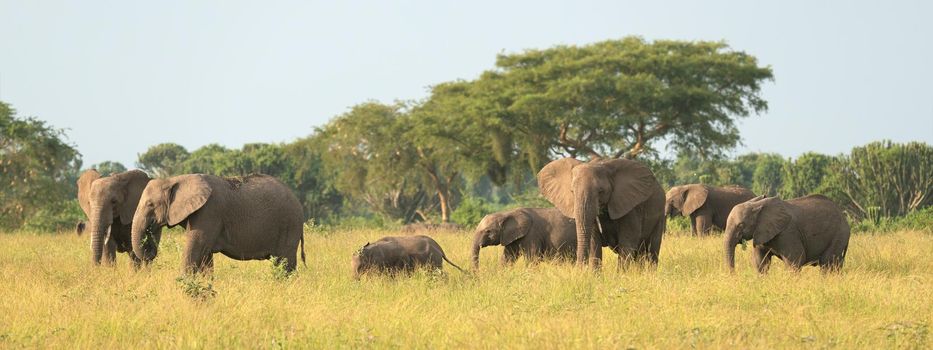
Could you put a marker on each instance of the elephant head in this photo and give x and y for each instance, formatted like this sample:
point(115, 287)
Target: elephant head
point(108, 200)
point(168, 202)
point(581, 190)
point(685, 199)
point(759, 219)
point(500, 229)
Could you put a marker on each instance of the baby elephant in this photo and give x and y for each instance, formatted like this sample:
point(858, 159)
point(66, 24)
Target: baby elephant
point(802, 231)
point(399, 254)
point(532, 232)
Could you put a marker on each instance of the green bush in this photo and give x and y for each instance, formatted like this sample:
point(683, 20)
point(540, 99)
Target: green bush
point(56, 217)
point(678, 225)
point(471, 210)
point(918, 220)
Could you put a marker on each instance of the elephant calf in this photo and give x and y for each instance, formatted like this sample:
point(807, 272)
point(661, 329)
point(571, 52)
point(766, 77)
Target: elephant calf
point(399, 254)
point(809, 230)
point(531, 232)
point(706, 206)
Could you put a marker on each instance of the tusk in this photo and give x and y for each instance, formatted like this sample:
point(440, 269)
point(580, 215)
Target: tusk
point(599, 226)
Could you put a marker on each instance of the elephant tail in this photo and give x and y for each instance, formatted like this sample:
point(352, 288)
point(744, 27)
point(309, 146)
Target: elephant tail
point(302, 241)
point(452, 264)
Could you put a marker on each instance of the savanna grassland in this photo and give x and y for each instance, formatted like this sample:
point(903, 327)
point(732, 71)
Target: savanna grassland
point(52, 297)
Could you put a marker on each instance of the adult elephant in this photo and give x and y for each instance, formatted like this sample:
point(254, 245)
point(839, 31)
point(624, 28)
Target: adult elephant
point(251, 218)
point(530, 232)
point(810, 230)
point(109, 204)
point(624, 192)
point(706, 206)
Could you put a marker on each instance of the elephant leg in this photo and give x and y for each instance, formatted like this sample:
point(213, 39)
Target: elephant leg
point(509, 255)
point(596, 250)
point(794, 257)
point(109, 256)
point(693, 226)
point(702, 225)
point(137, 263)
point(834, 256)
point(626, 256)
point(653, 248)
point(207, 264)
point(198, 250)
point(761, 257)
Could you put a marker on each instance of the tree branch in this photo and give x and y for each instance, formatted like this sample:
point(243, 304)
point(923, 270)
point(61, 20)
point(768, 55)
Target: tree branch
point(575, 144)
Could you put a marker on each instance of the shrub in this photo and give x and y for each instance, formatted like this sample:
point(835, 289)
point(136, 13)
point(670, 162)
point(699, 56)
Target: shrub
point(56, 217)
point(471, 211)
point(918, 220)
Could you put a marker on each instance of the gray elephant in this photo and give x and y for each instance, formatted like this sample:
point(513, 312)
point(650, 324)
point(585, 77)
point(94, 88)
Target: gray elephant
point(396, 254)
point(534, 233)
point(621, 197)
point(250, 218)
point(706, 206)
point(109, 204)
point(810, 230)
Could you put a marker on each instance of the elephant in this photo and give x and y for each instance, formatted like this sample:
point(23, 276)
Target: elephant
point(245, 218)
point(619, 196)
point(810, 230)
point(706, 206)
point(109, 204)
point(395, 254)
point(532, 232)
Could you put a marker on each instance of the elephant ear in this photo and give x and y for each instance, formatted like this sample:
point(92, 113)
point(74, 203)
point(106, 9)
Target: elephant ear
point(675, 197)
point(554, 182)
point(187, 195)
point(514, 226)
point(694, 198)
point(773, 218)
point(632, 184)
point(84, 189)
point(133, 182)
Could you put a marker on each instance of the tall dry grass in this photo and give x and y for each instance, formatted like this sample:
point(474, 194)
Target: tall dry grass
point(52, 297)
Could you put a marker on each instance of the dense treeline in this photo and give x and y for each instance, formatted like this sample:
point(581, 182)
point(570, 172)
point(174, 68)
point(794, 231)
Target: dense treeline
point(475, 146)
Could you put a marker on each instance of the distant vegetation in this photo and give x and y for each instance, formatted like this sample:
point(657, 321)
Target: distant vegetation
point(475, 146)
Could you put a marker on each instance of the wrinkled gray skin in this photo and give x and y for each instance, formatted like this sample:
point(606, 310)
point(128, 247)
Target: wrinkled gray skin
point(622, 196)
point(251, 218)
point(809, 230)
point(706, 206)
point(109, 204)
point(534, 233)
point(396, 254)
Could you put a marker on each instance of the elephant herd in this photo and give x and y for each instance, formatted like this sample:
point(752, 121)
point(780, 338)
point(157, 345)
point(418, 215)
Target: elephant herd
point(615, 203)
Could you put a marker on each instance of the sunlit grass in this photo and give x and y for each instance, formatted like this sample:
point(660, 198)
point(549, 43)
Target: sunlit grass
point(52, 297)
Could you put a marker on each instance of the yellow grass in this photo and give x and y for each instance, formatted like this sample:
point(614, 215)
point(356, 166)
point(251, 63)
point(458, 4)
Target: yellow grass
point(51, 297)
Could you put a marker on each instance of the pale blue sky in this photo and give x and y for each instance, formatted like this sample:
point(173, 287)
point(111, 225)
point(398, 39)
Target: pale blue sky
point(124, 75)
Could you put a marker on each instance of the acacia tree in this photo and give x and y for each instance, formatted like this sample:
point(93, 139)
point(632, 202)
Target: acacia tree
point(621, 97)
point(451, 143)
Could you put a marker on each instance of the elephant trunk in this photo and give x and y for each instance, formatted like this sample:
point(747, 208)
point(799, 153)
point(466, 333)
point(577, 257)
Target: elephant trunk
point(99, 221)
point(585, 217)
point(477, 244)
point(731, 240)
point(140, 226)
